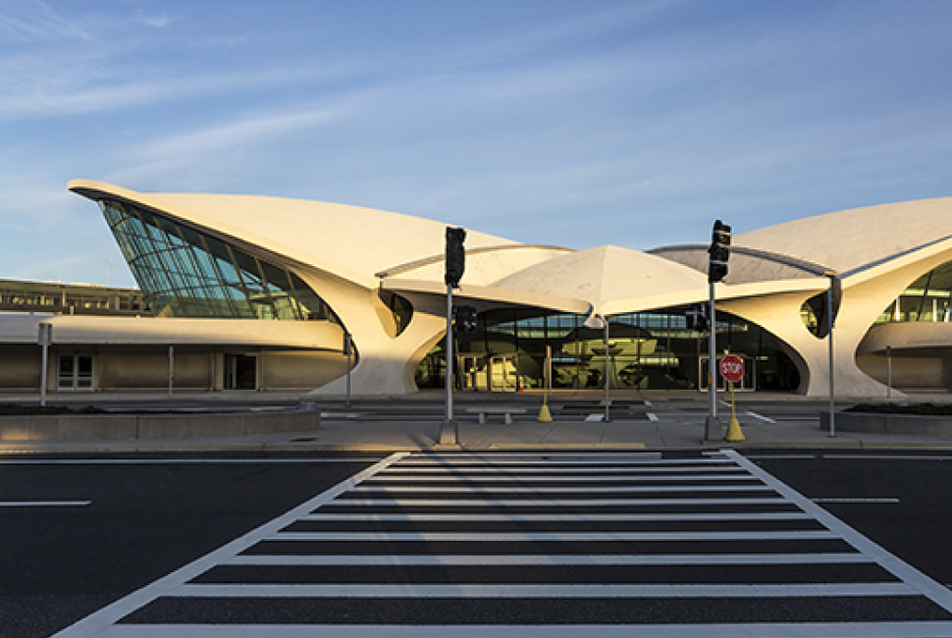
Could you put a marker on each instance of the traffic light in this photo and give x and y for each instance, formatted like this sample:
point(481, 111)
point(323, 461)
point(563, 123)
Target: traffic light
point(455, 256)
point(697, 317)
point(720, 252)
point(464, 318)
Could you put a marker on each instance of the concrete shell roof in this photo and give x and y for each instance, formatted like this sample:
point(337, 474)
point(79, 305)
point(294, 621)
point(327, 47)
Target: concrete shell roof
point(349, 241)
point(850, 239)
point(607, 274)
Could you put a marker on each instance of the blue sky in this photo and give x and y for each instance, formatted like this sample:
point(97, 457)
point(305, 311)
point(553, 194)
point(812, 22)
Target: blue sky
point(556, 122)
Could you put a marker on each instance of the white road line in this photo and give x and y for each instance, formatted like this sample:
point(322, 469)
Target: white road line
point(783, 630)
point(902, 570)
point(100, 620)
point(543, 471)
point(766, 457)
point(531, 537)
point(600, 502)
point(564, 457)
point(463, 590)
point(766, 419)
point(322, 515)
point(886, 457)
point(151, 461)
point(44, 503)
point(567, 489)
point(548, 559)
point(652, 416)
point(735, 476)
point(855, 500)
point(595, 416)
point(543, 465)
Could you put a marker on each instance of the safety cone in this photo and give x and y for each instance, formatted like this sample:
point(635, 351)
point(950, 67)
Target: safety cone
point(544, 416)
point(734, 434)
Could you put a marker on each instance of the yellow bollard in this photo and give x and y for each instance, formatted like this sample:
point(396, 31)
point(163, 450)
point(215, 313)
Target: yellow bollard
point(544, 415)
point(734, 433)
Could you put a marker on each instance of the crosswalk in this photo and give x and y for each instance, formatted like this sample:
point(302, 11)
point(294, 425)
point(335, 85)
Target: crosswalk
point(533, 544)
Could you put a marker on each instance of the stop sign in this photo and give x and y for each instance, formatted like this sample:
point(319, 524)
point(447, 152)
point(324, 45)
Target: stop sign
point(732, 368)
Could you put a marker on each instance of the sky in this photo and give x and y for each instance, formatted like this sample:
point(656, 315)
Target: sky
point(579, 124)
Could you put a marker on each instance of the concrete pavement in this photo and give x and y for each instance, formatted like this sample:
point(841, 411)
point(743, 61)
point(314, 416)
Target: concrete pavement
point(652, 421)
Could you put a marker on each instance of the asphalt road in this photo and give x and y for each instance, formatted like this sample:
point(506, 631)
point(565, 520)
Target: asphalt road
point(64, 558)
point(452, 541)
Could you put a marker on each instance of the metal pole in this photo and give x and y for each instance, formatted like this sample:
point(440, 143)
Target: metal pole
point(348, 346)
point(46, 338)
point(171, 367)
point(608, 401)
point(712, 428)
point(888, 372)
point(829, 309)
point(449, 421)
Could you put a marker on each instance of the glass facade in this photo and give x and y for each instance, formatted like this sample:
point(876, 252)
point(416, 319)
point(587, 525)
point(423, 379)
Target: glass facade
point(186, 273)
point(928, 298)
point(647, 350)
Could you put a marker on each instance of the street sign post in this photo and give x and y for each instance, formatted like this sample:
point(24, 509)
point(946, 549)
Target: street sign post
point(732, 369)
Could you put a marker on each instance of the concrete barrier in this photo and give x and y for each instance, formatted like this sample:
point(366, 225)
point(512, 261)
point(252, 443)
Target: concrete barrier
point(878, 423)
point(117, 427)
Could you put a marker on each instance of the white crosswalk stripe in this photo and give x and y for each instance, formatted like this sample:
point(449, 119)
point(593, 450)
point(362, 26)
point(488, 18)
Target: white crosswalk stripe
point(542, 544)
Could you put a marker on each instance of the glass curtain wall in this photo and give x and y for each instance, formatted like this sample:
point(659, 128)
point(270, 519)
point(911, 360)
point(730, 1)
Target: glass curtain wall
point(185, 273)
point(928, 298)
point(647, 350)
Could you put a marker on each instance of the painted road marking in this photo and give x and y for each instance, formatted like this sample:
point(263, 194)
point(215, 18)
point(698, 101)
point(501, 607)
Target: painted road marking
point(44, 503)
point(652, 416)
point(408, 560)
point(601, 478)
point(465, 590)
point(519, 516)
point(242, 555)
point(596, 416)
point(170, 461)
point(774, 630)
point(563, 489)
point(542, 537)
point(597, 502)
point(99, 621)
point(766, 419)
point(855, 500)
point(902, 570)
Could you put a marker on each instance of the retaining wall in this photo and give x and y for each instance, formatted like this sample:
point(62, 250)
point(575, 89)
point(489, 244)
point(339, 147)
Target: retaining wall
point(875, 423)
point(86, 427)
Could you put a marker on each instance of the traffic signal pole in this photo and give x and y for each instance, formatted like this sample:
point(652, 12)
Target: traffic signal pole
point(719, 251)
point(712, 427)
point(455, 264)
point(449, 423)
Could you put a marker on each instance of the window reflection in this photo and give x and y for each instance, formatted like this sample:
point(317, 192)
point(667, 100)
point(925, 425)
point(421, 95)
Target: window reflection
point(928, 298)
point(185, 273)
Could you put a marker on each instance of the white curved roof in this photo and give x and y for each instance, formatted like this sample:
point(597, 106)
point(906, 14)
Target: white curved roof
point(850, 239)
point(604, 274)
point(349, 241)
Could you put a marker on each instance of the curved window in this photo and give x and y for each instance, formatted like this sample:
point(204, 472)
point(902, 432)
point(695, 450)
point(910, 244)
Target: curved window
point(647, 350)
point(186, 273)
point(928, 298)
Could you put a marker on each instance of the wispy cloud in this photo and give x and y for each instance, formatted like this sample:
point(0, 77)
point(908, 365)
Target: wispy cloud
point(35, 21)
point(214, 149)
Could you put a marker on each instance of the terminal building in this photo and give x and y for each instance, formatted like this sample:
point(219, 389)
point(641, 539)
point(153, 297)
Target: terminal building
point(257, 293)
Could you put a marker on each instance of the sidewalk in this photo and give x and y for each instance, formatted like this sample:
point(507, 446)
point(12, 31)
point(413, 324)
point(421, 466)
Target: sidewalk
point(415, 424)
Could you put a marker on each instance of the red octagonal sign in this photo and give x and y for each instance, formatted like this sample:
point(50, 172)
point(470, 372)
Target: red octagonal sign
point(732, 368)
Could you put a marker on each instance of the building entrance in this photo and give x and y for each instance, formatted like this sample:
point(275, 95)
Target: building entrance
point(240, 372)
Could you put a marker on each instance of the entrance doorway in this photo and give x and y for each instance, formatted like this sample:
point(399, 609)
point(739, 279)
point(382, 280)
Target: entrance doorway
point(241, 372)
point(75, 372)
point(503, 373)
